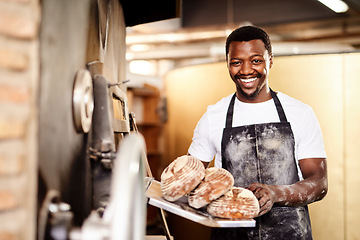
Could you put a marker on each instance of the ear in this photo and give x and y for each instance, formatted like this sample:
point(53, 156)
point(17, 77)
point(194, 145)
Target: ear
point(271, 61)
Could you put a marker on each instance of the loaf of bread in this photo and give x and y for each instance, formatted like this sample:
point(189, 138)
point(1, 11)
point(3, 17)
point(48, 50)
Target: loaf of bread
point(217, 181)
point(181, 177)
point(236, 203)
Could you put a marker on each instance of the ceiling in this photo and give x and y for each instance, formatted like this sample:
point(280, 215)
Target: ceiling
point(145, 11)
point(261, 12)
point(200, 30)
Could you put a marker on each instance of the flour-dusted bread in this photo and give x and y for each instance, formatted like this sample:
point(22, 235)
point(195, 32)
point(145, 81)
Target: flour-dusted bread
point(181, 177)
point(236, 203)
point(217, 181)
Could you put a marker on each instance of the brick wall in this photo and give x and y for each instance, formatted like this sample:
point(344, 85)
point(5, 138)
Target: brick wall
point(19, 79)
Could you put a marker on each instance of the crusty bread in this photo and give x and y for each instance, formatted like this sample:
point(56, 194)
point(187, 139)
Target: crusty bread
point(181, 177)
point(236, 203)
point(217, 181)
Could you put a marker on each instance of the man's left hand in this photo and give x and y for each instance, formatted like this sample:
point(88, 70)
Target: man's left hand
point(265, 195)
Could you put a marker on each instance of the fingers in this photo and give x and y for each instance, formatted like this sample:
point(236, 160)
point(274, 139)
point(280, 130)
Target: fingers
point(261, 192)
point(265, 208)
point(254, 186)
point(264, 195)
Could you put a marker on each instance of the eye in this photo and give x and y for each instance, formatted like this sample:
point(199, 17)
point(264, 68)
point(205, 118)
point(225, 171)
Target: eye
point(235, 63)
point(257, 61)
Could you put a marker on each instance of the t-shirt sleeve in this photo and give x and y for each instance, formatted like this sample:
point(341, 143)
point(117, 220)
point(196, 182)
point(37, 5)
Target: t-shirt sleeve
point(311, 144)
point(201, 146)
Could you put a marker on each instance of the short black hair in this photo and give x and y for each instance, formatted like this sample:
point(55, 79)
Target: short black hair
point(248, 33)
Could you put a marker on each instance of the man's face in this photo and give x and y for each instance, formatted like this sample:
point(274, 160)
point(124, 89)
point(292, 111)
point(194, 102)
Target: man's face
point(249, 64)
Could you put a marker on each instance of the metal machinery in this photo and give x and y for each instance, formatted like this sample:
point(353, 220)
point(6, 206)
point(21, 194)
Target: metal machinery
point(91, 159)
point(118, 174)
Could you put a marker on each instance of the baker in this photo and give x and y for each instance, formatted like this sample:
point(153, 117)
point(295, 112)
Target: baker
point(270, 142)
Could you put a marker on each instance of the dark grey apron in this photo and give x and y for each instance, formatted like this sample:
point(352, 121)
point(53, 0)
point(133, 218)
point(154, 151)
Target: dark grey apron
point(264, 153)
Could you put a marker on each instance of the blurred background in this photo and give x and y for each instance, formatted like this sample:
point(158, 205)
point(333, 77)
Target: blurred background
point(316, 61)
point(173, 54)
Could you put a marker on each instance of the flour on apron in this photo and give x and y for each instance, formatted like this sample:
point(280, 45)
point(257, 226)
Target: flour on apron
point(264, 153)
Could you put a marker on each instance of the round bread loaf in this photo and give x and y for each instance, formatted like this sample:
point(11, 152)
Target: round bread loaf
point(181, 177)
point(217, 181)
point(236, 203)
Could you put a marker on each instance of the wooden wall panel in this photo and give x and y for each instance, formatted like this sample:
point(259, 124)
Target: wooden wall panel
point(317, 80)
point(352, 145)
point(328, 83)
point(189, 91)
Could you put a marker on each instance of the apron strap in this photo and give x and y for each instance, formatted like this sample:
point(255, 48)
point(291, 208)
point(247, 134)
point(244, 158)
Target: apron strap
point(279, 107)
point(229, 115)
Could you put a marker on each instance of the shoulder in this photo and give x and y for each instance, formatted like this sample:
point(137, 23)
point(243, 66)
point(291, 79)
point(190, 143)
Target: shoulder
point(216, 114)
point(299, 114)
point(292, 104)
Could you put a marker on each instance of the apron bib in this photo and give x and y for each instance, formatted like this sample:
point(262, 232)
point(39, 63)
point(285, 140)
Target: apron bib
point(263, 153)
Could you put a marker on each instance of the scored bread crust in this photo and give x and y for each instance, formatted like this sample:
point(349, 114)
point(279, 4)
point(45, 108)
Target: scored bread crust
point(217, 181)
point(181, 176)
point(236, 203)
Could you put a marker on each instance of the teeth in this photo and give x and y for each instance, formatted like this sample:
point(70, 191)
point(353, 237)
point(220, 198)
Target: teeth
point(247, 80)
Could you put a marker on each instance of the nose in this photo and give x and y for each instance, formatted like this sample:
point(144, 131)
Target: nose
point(246, 68)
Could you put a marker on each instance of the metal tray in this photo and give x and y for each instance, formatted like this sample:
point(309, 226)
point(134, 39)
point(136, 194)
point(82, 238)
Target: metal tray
point(182, 208)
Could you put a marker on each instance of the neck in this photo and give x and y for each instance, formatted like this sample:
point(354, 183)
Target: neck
point(263, 96)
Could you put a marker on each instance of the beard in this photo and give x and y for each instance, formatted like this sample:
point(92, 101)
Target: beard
point(247, 96)
point(251, 96)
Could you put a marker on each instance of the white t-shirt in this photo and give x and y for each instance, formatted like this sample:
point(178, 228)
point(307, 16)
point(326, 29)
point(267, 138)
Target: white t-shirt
point(206, 142)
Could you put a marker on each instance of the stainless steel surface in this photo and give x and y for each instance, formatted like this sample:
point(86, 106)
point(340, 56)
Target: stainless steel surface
point(83, 101)
point(181, 208)
point(125, 215)
point(127, 208)
point(149, 179)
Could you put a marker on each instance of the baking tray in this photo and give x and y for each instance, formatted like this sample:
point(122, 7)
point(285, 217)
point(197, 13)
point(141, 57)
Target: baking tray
point(182, 209)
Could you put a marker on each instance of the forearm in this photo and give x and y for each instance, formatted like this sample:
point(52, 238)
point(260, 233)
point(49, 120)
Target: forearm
point(311, 189)
point(301, 193)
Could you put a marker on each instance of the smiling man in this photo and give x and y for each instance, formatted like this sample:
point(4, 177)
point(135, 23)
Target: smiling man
point(271, 143)
point(249, 63)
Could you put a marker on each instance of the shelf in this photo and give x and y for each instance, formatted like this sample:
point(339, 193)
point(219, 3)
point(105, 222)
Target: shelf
point(144, 92)
point(149, 124)
point(144, 103)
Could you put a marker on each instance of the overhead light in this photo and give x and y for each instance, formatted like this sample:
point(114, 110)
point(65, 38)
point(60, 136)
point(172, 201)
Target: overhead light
point(337, 6)
point(139, 47)
point(142, 67)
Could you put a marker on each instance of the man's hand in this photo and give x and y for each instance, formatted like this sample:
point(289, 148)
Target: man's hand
point(265, 195)
point(312, 188)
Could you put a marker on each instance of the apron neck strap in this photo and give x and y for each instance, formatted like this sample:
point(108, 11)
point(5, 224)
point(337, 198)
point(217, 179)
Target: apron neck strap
point(279, 108)
point(229, 115)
